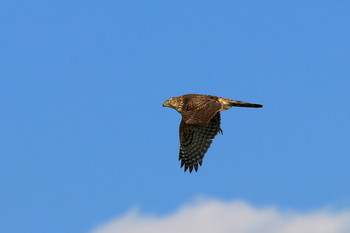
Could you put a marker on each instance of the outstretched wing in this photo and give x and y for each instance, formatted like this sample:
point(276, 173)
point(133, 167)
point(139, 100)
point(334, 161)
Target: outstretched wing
point(199, 110)
point(195, 141)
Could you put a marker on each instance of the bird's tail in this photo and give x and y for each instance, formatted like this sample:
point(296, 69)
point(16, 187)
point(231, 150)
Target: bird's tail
point(236, 103)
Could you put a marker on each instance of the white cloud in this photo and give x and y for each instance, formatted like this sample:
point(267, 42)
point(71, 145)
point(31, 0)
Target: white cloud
point(208, 216)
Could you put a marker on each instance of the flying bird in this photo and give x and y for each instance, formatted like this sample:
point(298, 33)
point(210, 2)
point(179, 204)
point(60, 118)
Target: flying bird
point(200, 124)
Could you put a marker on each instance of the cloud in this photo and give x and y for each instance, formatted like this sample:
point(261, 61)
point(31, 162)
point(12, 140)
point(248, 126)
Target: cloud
point(208, 216)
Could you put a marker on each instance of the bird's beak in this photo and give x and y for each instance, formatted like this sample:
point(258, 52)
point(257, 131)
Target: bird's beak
point(166, 104)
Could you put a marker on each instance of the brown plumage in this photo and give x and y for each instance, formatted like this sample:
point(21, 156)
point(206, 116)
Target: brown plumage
point(200, 124)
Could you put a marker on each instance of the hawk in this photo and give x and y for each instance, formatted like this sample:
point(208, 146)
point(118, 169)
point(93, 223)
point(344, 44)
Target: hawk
point(200, 124)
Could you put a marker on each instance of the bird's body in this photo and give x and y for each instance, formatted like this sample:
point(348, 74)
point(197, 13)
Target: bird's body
point(200, 124)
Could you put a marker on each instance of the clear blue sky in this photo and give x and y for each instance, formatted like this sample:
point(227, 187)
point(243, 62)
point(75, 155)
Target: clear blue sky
point(84, 136)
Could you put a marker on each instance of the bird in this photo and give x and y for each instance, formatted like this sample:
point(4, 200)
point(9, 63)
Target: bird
point(200, 124)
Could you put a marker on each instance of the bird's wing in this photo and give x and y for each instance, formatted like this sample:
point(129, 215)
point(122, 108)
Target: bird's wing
point(195, 141)
point(199, 111)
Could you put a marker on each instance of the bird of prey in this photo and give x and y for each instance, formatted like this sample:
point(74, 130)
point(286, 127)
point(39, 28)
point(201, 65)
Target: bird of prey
point(200, 124)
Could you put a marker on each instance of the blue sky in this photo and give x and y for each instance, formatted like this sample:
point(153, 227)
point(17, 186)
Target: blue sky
point(85, 137)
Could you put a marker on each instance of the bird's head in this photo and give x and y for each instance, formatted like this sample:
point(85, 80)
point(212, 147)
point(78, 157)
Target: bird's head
point(171, 103)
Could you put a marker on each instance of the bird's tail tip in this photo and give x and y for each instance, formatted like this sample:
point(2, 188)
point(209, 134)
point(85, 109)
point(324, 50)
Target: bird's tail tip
point(237, 103)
